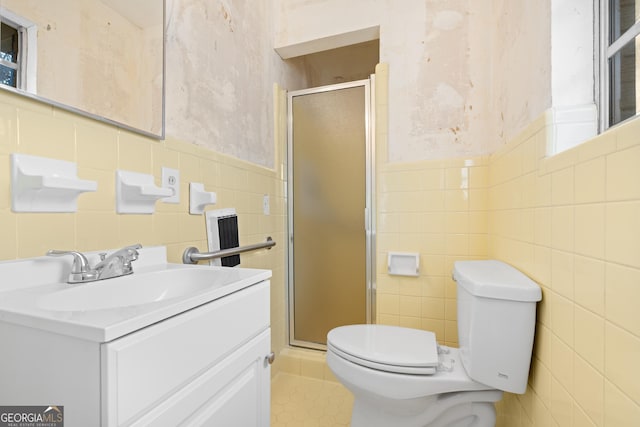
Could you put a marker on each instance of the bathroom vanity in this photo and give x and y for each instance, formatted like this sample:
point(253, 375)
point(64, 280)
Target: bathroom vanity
point(168, 345)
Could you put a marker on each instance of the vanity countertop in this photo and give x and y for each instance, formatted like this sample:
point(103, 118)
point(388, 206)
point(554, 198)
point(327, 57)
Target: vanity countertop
point(34, 293)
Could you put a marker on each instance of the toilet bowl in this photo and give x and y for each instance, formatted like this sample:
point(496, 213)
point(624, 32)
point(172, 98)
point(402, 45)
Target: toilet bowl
point(400, 377)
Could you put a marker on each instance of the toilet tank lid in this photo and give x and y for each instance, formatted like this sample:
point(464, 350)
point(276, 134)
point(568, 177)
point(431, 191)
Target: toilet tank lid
point(495, 279)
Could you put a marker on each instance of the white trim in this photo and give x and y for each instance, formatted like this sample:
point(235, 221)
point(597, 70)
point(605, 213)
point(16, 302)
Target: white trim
point(602, 95)
point(624, 39)
point(570, 126)
point(28, 54)
point(30, 66)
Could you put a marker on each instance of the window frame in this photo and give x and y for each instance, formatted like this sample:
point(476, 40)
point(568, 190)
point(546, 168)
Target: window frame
point(27, 64)
point(606, 51)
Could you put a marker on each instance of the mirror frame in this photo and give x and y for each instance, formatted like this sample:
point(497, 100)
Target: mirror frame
point(106, 120)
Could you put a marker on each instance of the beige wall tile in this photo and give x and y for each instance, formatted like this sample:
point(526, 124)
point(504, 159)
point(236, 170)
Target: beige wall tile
point(542, 265)
point(562, 362)
point(622, 352)
point(39, 232)
point(409, 305)
point(528, 189)
point(623, 174)
point(8, 235)
point(562, 187)
point(432, 179)
point(456, 178)
point(457, 222)
point(626, 134)
point(479, 177)
point(561, 317)
point(435, 326)
point(96, 231)
point(589, 280)
point(541, 414)
point(562, 273)
point(46, 136)
point(451, 332)
point(619, 410)
point(542, 226)
point(590, 181)
point(622, 295)
point(541, 383)
point(561, 404)
point(5, 182)
point(622, 240)
point(104, 198)
point(410, 322)
point(8, 128)
point(589, 337)
point(589, 390)
point(456, 200)
point(544, 345)
point(96, 147)
point(599, 146)
point(543, 190)
point(388, 304)
point(562, 228)
point(580, 418)
point(457, 244)
point(432, 308)
point(478, 246)
point(433, 286)
point(134, 154)
point(589, 230)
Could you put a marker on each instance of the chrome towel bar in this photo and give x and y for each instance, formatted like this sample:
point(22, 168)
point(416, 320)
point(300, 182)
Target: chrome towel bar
point(192, 255)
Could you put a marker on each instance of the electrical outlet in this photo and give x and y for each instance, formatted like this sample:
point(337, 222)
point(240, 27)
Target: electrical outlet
point(265, 204)
point(171, 179)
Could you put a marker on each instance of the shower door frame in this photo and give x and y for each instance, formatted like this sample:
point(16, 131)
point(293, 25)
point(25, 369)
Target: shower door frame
point(370, 202)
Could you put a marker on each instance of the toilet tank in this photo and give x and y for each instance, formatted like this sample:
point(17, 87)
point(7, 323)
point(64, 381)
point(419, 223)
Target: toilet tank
point(496, 322)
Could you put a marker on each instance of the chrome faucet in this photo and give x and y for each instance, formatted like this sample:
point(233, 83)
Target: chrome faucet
point(115, 265)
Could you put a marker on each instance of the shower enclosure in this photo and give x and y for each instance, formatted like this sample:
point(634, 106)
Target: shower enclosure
point(331, 219)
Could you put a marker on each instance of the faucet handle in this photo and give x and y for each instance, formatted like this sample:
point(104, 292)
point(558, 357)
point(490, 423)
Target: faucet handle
point(80, 262)
point(80, 270)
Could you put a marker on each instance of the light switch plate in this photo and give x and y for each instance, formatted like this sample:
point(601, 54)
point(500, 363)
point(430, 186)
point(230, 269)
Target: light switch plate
point(171, 179)
point(265, 204)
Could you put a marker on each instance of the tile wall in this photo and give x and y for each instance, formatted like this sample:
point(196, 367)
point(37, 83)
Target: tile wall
point(438, 209)
point(572, 223)
point(99, 149)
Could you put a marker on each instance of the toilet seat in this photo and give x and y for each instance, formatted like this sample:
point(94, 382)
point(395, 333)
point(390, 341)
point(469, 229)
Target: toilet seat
point(386, 348)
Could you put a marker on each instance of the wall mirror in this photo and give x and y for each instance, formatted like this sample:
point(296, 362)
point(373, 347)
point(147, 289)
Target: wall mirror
point(99, 58)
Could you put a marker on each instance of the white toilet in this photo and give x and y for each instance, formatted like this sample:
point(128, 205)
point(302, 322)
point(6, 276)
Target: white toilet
point(400, 377)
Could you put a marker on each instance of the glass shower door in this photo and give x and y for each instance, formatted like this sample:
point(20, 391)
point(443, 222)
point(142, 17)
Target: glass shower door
point(328, 202)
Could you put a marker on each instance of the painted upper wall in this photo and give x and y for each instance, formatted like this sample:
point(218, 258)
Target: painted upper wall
point(521, 66)
point(463, 75)
point(439, 56)
point(220, 71)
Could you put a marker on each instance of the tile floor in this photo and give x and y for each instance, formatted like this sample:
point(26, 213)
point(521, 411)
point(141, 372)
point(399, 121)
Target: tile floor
point(298, 401)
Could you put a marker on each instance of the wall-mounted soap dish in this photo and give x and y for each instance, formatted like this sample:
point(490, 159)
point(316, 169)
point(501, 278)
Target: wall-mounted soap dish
point(198, 198)
point(40, 184)
point(137, 193)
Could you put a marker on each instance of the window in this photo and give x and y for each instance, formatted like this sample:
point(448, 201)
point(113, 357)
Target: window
point(10, 44)
point(18, 48)
point(620, 53)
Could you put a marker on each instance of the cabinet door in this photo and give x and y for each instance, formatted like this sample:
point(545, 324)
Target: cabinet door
point(143, 369)
point(234, 393)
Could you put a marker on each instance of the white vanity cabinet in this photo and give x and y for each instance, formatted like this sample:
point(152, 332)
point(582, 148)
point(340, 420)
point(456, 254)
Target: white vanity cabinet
point(206, 366)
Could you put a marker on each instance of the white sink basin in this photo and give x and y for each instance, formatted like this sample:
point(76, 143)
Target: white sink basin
point(33, 293)
point(135, 289)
